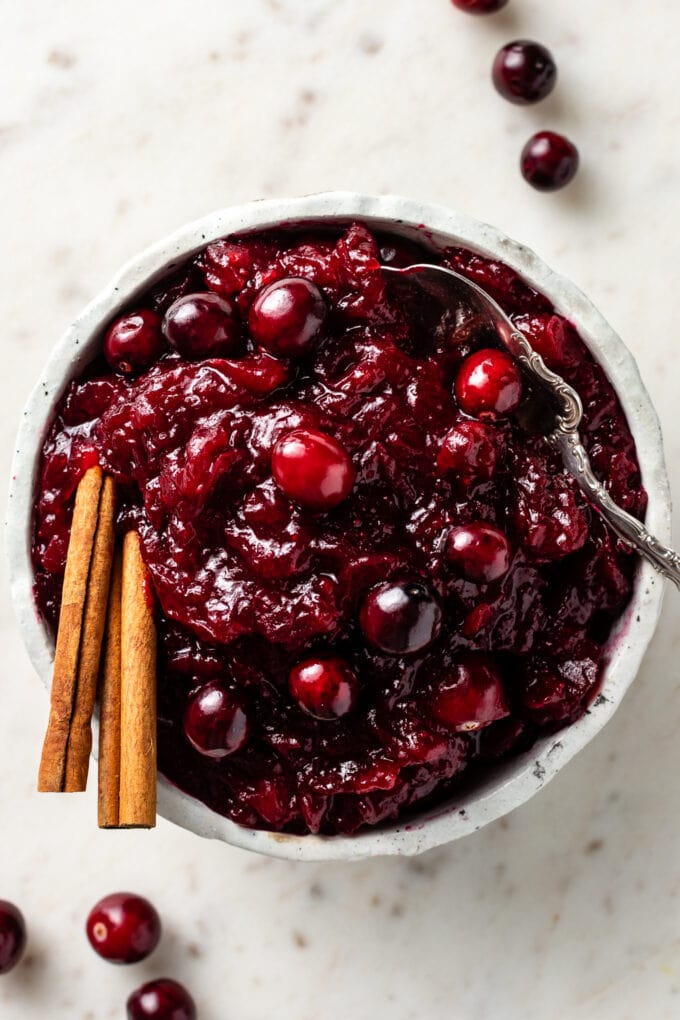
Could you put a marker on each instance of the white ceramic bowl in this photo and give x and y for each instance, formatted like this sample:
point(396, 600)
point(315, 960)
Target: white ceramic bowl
point(515, 781)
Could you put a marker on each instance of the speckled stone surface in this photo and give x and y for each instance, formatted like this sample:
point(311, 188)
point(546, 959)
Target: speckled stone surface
point(118, 123)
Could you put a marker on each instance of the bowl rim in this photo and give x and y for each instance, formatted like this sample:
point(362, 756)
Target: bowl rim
point(519, 778)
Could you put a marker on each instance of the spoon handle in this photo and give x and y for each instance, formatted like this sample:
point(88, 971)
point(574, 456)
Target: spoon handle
point(627, 527)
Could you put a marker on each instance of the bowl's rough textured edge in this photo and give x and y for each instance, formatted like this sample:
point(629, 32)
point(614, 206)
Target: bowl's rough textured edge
point(517, 780)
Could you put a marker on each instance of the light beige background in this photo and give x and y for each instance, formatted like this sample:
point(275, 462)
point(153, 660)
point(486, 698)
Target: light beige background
point(118, 122)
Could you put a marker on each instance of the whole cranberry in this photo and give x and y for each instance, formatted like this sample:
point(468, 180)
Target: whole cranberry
point(478, 551)
point(488, 384)
point(287, 317)
point(327, 688)
point(549, 161)
point(524, 72)
point(400, 618)
point(202, 326)
point(313, 469)
point(479, 6)
point(12, 936)
point(123, 928)
point(471, 451)
point(163, 999)
point(215, 722)
point(472, 696)
point(133, 342)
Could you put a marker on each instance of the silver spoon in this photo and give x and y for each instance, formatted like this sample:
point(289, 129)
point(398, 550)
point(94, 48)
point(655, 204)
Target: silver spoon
point(450, 289)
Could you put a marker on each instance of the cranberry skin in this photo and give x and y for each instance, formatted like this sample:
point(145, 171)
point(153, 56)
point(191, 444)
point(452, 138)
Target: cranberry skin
point(202, 326)
point(488, 384)
point(313, 469)
point(325, 688)
point(123, 928)
point(287, 317)
point(471, 451)
point(163, 999)
point(215, 722)
point(400, 618)
point(524, 72)
point(472, 697)
point(12, 936)
point(549, 161)
point(133, 342)
point(479, 552)
point(479, 6)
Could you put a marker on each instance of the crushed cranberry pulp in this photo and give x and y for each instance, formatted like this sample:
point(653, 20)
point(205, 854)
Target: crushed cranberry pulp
point(372, 577)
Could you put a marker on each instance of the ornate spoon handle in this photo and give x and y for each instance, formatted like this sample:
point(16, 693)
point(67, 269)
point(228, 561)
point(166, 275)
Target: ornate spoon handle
point(624, 524)
point(567, 440)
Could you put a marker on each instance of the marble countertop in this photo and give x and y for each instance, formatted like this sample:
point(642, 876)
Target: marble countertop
point(120, 122)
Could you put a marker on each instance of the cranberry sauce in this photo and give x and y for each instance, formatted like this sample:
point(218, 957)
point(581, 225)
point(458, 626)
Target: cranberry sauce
point(371, 575)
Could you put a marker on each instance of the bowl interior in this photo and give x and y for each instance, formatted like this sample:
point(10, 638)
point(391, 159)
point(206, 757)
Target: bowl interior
point(512, 782)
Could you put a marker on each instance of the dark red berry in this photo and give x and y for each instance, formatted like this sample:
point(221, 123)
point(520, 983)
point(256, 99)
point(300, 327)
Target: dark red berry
point(400, 618)
point(470, 450)
point(287, 317)
point(133, 342)
point(326, 688)
point(549, 161)
point(215, 722)
point(488, 384)
point(479, 552)
point(163, 999)
point(313, 469)
point(12, 936)
point(123, 928)
point(479, 6)
point(471, 696)
point(202, 326)
point(524, 72)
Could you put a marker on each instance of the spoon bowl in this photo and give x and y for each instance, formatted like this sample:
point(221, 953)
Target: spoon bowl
point(439, 290)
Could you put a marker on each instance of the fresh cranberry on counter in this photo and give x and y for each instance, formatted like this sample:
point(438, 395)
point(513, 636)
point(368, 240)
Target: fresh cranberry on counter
point(133, 342)
point(479, 6)
point(287, 317)
point(215, 721)
point(549, 161)
point(123, 928)
point(524, 72)
point(12, 936)
point(163, 999)
point(400, 618)
point(313, 469)
point(488, 384)
point(202, 326)
point(327, 688)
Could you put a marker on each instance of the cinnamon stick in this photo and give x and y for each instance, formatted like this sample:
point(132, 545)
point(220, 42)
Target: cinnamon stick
point(66, 748)
point(109, 707)
point(94, 620)
point(138, 692)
